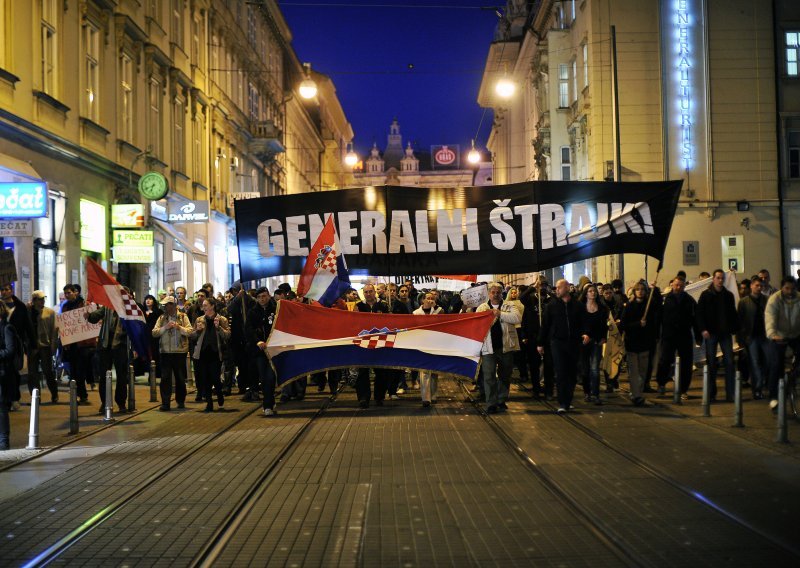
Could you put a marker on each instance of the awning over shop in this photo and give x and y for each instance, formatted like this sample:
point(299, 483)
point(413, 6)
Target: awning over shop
point(168, 230)
point(12, 169)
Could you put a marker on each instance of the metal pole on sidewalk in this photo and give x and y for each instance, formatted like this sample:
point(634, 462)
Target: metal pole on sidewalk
point(189, 375)
point(153, 395)
point(706, 393)
point(73, 407)
point(109, 415)
point(33, 433)
point(783, 433)
point(737, 401)
point(676, 395)
point(131, 388)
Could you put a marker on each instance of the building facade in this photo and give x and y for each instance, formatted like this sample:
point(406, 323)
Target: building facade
point(197, 91)
point(646, 90)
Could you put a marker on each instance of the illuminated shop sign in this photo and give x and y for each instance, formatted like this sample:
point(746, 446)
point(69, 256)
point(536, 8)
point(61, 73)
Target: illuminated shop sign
point(23, 200)
point(93, 226)
point(127, 215)
point(684, 53)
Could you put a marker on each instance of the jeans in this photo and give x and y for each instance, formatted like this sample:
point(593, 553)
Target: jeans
point(363, 387)
point(42, 356)
point(533, 359)
point(591, 355)
point(496, 369)
point(778, 362)
point(683, 345)
point(173, 366)
point(758, 349)
point(565, 365)
point(725, 342)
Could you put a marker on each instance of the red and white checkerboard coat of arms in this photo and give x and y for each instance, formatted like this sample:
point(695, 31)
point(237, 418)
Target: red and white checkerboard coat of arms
point(131, 307)
point(376, 338)
point(326, 259)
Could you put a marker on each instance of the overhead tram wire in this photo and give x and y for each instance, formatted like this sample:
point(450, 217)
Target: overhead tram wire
point(393, 6)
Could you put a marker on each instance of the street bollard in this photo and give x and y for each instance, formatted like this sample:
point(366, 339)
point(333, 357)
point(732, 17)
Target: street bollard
point(109, 415)
point(783, 433)
point(33, 433)
point(131, 388)
point(676, 396)
point(706, 393)
point(189, 375)
point(153, 395)
point(737, 401)
point(73, 407)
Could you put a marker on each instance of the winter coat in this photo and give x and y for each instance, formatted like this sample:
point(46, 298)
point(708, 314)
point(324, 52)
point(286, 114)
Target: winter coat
point(259, 325)
point(750, 309)
point(9, 376)
point(45, 331)
point(175, 340)
point(782, 316)
point(510, 315)
point(22, 323)
point(562, 321)
point(679, 316)
point(112, 334)
point(637, 338)
point(223, 333)
point(595, 325)
point(716, 312)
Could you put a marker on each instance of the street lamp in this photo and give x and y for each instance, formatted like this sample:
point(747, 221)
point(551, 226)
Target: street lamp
point(351, 158)
point(474, 156)
point(505, 87)
point(308, 87)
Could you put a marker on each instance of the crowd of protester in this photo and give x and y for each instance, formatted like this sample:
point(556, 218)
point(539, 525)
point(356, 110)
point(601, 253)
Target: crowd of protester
point(557, 337)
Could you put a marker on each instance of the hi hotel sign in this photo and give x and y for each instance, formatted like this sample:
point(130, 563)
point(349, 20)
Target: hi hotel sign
point(685, 55)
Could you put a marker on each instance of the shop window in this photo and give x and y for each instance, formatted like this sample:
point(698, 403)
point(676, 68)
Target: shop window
point(794, 261)
point(127, 103)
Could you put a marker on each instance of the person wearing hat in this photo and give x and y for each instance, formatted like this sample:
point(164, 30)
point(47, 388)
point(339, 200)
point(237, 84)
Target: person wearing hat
point(172, 329)
point(42, 347)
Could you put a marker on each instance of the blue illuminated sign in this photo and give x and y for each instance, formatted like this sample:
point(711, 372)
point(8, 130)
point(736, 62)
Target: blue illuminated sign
point(683, 66)
point(23, 200)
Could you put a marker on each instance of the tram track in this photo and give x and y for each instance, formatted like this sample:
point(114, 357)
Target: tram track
point(648, 469)
point(56, 551)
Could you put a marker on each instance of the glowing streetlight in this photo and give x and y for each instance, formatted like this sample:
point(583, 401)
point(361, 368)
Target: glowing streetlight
point(474, 156)
point(351, 158)
point(505, 88)
point(308, 87)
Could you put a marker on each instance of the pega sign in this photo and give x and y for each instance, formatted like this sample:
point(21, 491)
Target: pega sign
point(23, 200)
point(507, 229)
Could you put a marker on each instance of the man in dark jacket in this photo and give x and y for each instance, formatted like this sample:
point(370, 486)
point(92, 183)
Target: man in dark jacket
point(717, 321)
point(536, 299)
point(561, 334)
point(257, 329)
point(752, 334)
point(19, 318)
point(112, 349)
point(237, 310)
point(371, 304)
point(678, 322)
point(78, 355)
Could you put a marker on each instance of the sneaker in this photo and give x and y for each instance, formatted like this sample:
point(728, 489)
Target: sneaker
point(401, 391)
point(773, 405)
point(426, 404)
point(684, 396)
point(561, 410)
point(662, 390)
point(269, 412)
point(394, 397)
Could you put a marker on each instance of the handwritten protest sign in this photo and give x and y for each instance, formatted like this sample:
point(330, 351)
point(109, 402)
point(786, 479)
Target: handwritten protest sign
point(73, 327)
point(8, 268)
point(475, 296)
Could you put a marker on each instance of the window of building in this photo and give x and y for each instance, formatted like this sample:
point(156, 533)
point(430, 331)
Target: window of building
point(198, 156)
point(155, 130)
point(49, 46)
point(251, 25)
point(792, 53)
point(585, 65)
point(91, 46)
point(794, 260)
point(178, 134)
point(566, 166)
point(155, 9)
point(253, 101)
point(563, 85)
point(574, 80)
point(197, 41)
point(176, 22)
point(126, 96)
point(794, 153)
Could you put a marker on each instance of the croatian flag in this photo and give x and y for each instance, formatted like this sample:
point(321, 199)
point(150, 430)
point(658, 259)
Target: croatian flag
point(324, 277)
point(106, 291)
point(307, 339)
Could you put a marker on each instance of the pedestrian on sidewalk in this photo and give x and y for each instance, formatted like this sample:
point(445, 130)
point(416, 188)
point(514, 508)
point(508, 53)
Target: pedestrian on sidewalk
point(782, 320)
point(752, 334)
point(497, 353)
point(42, 347)
point(214, 332)
point(639, 337)
point(718, 321)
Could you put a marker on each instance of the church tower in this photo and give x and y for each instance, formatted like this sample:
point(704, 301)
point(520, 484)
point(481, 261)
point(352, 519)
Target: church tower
point(409, 163)
point(374, 163)
point(394, 147)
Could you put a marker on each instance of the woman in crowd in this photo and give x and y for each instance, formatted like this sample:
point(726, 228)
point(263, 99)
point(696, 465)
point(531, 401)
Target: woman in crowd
point(212, 332)
point(151, 312)
point(10, 345)
point(594, 337)
point(638, 327)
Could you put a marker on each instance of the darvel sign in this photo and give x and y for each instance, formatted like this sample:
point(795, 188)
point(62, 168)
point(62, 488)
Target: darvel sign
point(192, 212)
point(23, 200)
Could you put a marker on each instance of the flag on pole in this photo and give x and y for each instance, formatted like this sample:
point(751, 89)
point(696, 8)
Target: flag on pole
point(324, 277)
point(306, 339)
point(106, 291)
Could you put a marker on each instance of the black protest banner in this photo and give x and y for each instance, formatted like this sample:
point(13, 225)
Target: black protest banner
point(504, 229)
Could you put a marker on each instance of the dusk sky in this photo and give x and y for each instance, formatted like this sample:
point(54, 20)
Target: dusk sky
point(367, 46)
